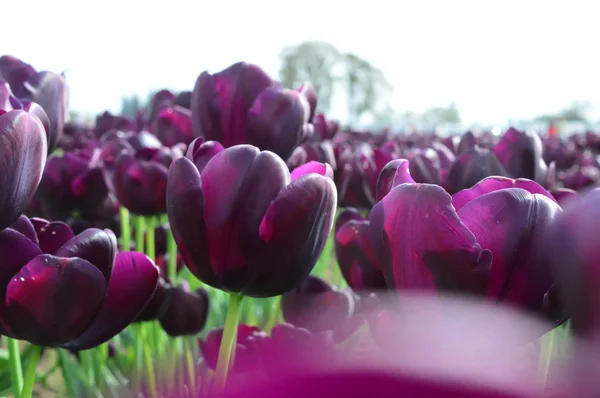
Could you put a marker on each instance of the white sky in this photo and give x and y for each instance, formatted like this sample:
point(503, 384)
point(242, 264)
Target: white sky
point(497, 60)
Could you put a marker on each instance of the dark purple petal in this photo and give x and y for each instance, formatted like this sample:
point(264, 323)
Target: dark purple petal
point(309, 92)
point(466, 143)
point(436, 251)
point(564, 196)
point(277, 119)
point(52, 300)
point(520, 152)
point(53, 236)
point(132, 284)
point(346, 215)
point(511, 223)
point(97, 246)
point(472, 167)
point(187, 312)
point(22, 158)
point(25, 226)
point(36, 110)
point(174, 125)
point(200, 152)
point(356, 256)
point(17, 250)
point(394, 173)
point(491, 184)
point(16, 73)
point(209, 347)
point(159, 303)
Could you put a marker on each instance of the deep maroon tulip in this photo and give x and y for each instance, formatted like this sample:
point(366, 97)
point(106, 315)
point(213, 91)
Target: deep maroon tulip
point(425, 166)
point(490, 242)
point(317, 306)
point(520, 152)
point(159, 302)
point(471, 167)
point(107, 121)
point(244, 224)
point(578, 178)
point(308, 91)
point(174, 125)
point(574, 249)
point(161, 100)
point(186, 313)
point(355, 254)
point(467, 142)
point(243, 361)
point(140, 185)
point(73, 182)
point(242, 105)
point(143, 140)
point(22, 156)
point(356, 178)
point(319, 151)
point(394, 173)
point(324, 129)
point(69, 291)
point(16, 73)
point(565, 195)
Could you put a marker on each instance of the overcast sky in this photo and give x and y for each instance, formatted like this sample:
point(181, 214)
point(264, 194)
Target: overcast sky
point(496, 59)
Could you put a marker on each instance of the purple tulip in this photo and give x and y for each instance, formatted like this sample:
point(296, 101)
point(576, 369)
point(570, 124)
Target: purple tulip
point(183, 99)
point(355, 254)
point(319, 151)
point(106, 122)
point(73, 182)
point(520, 152)
point(564, 196)
point(186, 312)
point(324, 129)
point(317, 306)
point(23, 152)
point(471, 167)
point(425, 166)
point(244, 224)
point(574, 249)
point(242, 105)
point(394, 173)
point(467, 142)
point(488, 243)
point(140, 185)
point(174, 125)
point(69, 291)
point(243, 361)
point(162, 100)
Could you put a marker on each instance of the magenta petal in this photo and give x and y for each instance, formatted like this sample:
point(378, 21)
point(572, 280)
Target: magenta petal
point(17, 250)
point(436, 250)
point(201, 152)
point(496, 183)
point(346, 215)
point(132, 284)
point(209, 347)
point(511, 223)
point(97, 246)
point(565, 196)
point(312, 167)
point(52, 300)
point(394, 173)
point(52, 236)
point(25, 226)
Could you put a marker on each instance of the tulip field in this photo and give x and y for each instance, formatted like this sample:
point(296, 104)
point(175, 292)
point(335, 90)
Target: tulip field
point(231, 241)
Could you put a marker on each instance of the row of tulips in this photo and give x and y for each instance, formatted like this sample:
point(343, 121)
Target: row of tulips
point(196, 249)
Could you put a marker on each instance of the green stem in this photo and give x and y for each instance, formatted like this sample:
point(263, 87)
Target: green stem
point(139, 360)
point(140, 227)
point(16, 371)
point(150, 246)
point(191, 370)
point(88, 365)
point(275, 309)
point(172, 252)
point(148, 365)
point(62, 359)
point(545, 357)
point(228, 340)
point(30, 373)
point(125, 230)
point(99, 358)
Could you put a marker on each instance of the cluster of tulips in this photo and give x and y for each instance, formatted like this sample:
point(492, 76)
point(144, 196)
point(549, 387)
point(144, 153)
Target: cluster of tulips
point(230, 241)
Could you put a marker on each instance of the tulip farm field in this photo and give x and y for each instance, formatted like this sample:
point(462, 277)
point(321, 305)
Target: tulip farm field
point(231, 241)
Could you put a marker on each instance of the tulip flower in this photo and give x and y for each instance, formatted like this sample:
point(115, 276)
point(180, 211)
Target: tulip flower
point(317, 306)
point(574, 250)
point(520, 152)
point(23, 152)
point(471, 167)
point(325, 129)
point(183, 99)
point(209, 347)
point(107, 121)
point(242, 105)
point(355, 254)
point(69, 291)
point(244, 224)
point(73, 182)
point(47, 89)
point(186, 312)
point(485, 241)
point(174, 126)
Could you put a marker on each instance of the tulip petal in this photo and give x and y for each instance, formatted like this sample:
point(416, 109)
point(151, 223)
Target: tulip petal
point(346, 215)
point(53, 236)
point(16, 251)
point(185, 207)
point(97, 246)
point(323, 169)
point(394, 173)
point(22, 158)
point(422, 244)
point(201, 152)
point(52, 300)
point(132, 284)
point(16, 73)
point(276, 120)
point(471, 167)
point(511, 223)
point(496, 183)
point(25, 226)
point(294, 231)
